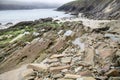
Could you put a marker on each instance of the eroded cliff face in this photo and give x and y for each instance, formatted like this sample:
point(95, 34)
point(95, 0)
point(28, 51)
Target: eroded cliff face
point(97, 9)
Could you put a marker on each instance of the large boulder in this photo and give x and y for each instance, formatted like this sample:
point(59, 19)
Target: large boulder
point(49, 19)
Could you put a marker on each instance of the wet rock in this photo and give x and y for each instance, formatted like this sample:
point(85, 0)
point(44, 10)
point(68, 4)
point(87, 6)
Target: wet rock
point(49, 19)
point(74, 13)
point(72, 76)
point(101, 29)
point(25, 23)
point(38, 67)
point(59, 68)
point(9, 24)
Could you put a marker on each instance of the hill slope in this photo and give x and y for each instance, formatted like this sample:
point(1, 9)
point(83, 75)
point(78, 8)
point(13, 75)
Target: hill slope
point(98, 9)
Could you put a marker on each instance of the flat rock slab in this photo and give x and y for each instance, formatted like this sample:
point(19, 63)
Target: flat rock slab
point(59, 68)
point(72, 76)
point(38, 67)
point(57, 56)
point(66, 60)
point(86, 78)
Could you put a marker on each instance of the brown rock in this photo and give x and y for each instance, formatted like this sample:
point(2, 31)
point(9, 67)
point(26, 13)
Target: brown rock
point(59, 45)
point(26, 55)
point(72, 76)
point(59, 68)
point(86, 73)
point(104, 53)
point(106, 67)
point(52, 60)
point(90, 56)
point(29, 73)
point(57, 76)
point(66, 60)
point(38, 67)
point(57, 56)
point(86, 78)
point(113, 72)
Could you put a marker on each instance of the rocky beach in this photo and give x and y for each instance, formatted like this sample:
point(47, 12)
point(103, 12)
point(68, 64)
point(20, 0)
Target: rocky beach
point(71, 48)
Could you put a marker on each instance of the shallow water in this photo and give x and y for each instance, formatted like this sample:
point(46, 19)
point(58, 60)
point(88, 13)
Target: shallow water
point(15, 16)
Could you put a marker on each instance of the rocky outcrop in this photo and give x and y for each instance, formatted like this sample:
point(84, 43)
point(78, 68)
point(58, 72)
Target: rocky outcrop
point(97, 9)
point(26, 55)
point(73, 52)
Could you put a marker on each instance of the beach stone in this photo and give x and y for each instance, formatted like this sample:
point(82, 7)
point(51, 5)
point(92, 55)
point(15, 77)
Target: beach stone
point(59, 68)
point(86, 73)
point(86, 78)
point(72, 76)
point(58, 76)
point(78, 69)
point(66, 59)
point(55, 64)
point(52, 60)
point(38, 67)
point(57, 56)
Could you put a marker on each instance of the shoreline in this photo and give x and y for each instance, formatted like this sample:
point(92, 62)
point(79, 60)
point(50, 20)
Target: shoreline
point(86, 21)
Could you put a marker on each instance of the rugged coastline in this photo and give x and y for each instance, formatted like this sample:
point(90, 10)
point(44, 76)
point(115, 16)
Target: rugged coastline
point(69, 48)
point(61, 50)
point(94, 9)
